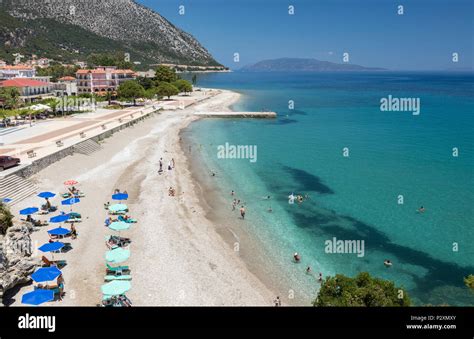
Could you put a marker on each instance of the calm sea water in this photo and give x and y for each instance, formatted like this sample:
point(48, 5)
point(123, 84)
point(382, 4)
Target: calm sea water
point(356, 197)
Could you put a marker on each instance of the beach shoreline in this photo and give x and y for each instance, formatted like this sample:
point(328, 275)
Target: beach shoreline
point(178, 256)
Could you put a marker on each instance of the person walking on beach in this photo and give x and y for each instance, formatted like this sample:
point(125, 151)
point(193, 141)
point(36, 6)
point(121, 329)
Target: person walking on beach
point(73, 231)
point(161, 165)
point(242, 212)
point(169, 166)
point(172, 162)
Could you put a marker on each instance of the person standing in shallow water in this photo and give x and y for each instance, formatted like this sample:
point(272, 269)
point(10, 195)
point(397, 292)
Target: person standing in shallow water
point(242, 212)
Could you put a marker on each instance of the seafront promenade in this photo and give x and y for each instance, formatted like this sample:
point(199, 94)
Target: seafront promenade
point(32, 142)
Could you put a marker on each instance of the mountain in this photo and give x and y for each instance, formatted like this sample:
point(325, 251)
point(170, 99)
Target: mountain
point(303, 65)
point(73, 29)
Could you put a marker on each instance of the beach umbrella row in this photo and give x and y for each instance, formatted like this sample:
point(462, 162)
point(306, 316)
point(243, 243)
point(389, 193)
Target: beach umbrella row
point(45, 274)
point(117, 255)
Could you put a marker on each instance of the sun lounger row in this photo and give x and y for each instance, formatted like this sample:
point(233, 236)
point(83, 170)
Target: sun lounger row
point(112, 241)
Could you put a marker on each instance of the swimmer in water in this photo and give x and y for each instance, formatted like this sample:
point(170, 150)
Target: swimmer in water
point(296, 257)
point(308, 270)
point(270, 210)
point(421, 209)
point(387, 263)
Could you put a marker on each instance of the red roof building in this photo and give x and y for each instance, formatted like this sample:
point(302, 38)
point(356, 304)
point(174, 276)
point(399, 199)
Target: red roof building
point(102, 79)
point(28, 87)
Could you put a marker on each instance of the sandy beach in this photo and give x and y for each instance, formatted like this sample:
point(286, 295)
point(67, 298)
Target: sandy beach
point(178, 256)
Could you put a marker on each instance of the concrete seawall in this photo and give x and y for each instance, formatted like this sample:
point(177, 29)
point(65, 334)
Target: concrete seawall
point(253, 115)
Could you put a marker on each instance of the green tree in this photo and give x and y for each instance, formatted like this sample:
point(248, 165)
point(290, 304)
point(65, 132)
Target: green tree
point(6, 218)
point(10, 96)
point(151, 93)
point(131, 90)
point(363, 290)
point(184, 86)
point(109, 59)
point(469, 281)
point(167, 90)
point(57, 71)
point(147, 83)
point(165, 74)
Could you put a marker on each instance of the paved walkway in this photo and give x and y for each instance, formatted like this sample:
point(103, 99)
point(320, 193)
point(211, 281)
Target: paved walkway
point(41, 139)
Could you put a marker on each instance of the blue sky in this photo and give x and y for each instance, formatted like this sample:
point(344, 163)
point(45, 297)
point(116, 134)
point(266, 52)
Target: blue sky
point(424, 38)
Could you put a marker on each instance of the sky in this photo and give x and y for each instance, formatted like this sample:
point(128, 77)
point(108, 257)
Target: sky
point(370, 31)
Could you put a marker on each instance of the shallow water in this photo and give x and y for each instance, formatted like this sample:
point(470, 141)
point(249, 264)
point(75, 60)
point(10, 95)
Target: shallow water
point(355, 197)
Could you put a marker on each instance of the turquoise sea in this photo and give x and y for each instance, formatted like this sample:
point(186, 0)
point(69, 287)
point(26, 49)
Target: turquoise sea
point(356, 197)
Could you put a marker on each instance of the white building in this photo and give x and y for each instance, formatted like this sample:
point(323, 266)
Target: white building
point(17, 71)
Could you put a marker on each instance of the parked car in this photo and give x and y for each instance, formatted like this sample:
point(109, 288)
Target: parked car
point(7, 162)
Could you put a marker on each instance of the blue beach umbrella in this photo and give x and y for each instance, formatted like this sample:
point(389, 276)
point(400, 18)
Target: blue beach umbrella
point(59, 218)
point(29, 210)
point(46, 274)
point(59, 231)
point(6, 200)
point(46, 195)
point(37, 297)
point(70, 201)
point(118, 208)
point(116, 287)
point(120, 196)
point(51, 246)
point(119, 226)
point(117, 255)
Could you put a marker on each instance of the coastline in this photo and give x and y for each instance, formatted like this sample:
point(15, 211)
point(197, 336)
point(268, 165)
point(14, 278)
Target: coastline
point(234, 231)
point(178, 256)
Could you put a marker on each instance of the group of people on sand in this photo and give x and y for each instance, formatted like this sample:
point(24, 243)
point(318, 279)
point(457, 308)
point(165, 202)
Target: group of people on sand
point(35, 222)
point(171, 165)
